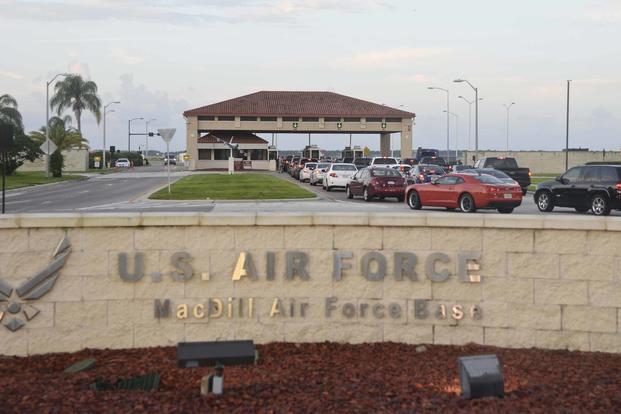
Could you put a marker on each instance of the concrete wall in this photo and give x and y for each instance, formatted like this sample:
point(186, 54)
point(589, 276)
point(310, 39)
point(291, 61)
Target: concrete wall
point(75, 160)
point(545, 281)
point(549, 162)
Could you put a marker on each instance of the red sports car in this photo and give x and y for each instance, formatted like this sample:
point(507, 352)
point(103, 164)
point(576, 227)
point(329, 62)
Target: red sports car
point(468, 192)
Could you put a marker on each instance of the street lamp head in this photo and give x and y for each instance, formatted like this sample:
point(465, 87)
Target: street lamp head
point(459, 80)
point(430, 87)
point(66, 74)
point(116, 102)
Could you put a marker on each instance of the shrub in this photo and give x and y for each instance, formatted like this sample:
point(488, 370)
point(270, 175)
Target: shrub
point(56, 164)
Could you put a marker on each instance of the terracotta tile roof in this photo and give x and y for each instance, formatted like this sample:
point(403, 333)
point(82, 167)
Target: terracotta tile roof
point(287, 103)
point(239, 137)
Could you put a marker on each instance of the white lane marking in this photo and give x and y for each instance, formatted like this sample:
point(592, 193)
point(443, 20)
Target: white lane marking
point(85, 191)
point(46, 202)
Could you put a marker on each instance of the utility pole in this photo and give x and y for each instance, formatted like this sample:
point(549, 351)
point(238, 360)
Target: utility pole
point(567, 130)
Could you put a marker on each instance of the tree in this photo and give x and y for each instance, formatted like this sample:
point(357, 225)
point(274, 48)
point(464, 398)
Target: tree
point(79, 95)
point(61, 134)
point(9, 114)
point(23, 148)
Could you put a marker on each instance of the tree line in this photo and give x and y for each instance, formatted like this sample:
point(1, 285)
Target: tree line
point(72, 93)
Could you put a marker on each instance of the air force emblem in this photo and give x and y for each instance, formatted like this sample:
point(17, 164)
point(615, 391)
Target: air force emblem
point(15, 309)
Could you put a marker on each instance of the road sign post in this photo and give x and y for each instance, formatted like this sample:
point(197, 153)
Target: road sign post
point(167, 134)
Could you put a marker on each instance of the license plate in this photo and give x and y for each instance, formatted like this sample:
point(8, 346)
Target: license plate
point(391, 183)
point(508, 195)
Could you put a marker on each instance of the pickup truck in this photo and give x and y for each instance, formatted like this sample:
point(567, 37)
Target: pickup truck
point(510, 167)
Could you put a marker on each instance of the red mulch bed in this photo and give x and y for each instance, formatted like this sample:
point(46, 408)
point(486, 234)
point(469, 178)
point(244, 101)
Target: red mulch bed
point(324, 377)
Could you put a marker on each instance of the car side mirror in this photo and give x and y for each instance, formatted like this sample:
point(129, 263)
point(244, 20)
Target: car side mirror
point(559, 179)
point(433, 182)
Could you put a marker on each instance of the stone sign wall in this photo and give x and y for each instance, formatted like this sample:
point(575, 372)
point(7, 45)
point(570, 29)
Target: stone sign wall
point(69, 282)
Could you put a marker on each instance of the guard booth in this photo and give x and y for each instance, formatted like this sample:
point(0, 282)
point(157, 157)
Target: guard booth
point(272, 156)
point(311, 151)
point(355, 152)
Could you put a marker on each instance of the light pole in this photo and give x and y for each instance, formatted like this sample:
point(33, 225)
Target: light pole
point(456, 130)
point(146, 136)
point(476, 116)
point(129, 133)
point(47, 120)
point(447, 117)
point(104, 129)
point(567, 130)
point(507, 107)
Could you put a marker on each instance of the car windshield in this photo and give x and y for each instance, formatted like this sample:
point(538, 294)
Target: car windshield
point(433, 171)
point(502, 163)
point(385, 172)
point(311, 165)
point(343, 167)
point(123, 160)
point(385, 161)
point(323, 165)
point(487, 179)
point(497, 174)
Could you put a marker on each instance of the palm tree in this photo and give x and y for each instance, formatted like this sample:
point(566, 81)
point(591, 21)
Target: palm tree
point(75, 93)
point(65, 137)
point(9, 114)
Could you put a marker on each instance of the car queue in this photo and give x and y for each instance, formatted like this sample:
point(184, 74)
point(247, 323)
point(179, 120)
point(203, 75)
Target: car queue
point(595, 188)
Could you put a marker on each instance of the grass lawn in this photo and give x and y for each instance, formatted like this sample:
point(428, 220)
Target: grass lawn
point(245, 186)
point(26, 179)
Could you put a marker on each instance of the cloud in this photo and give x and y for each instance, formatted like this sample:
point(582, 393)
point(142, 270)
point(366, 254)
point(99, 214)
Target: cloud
point(11, 75)
point(80, 69)
point(178, 12)
point(125, 57)
point(604, 14)
point(398, 56)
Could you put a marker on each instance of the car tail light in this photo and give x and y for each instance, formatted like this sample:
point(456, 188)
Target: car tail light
point(618, 187)
point(492, 189)
point(421, 177)
point(530, 173)
point(332, 174)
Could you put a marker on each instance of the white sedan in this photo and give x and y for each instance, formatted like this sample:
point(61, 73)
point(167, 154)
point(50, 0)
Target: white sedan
point(305, 172)
point(337, 175)
point(123, 163)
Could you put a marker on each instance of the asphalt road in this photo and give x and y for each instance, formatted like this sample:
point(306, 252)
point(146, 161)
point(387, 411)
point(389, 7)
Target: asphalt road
point(129, 191)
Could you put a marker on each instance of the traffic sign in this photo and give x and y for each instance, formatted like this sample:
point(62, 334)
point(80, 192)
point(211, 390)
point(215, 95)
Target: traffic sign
point(48, 147)
point(167, 133)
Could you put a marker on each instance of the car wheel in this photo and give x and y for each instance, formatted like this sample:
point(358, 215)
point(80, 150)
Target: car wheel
point(544, 201)
point(524, 191)
point(582, 209)
point(349, 194)
point(506, 210)
point(328, 188)
point(600, 205)
point(366, 195)
point(414, 200)
point(466, 203)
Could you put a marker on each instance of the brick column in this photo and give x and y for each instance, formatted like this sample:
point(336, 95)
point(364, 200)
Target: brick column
point(192, 140)
point(385, 144)
point(406, 138)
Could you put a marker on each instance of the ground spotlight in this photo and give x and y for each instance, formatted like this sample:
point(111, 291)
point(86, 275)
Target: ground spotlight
point(198, 354)
point(481, 376)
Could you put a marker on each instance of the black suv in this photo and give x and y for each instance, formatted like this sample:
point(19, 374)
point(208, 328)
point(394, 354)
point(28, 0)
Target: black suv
point(587, 187)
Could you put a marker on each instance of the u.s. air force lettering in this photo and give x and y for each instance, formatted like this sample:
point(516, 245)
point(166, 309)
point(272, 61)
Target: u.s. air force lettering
point(294, 265)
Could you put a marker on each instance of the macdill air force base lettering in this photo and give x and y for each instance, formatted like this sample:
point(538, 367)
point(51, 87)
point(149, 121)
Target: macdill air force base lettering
point(296, 266)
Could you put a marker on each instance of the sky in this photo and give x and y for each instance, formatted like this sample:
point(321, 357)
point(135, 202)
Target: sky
point(161, 57)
